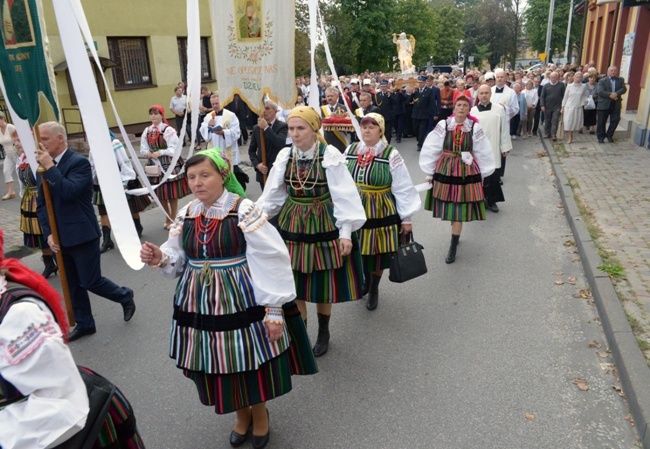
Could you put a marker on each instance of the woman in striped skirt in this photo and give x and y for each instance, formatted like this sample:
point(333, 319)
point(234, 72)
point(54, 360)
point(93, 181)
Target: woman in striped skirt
point(318, 208)
point(159, 140)
point(455, 156)
point(129, 181)
point(29, 225)
point(388, 196)
point(236, 331)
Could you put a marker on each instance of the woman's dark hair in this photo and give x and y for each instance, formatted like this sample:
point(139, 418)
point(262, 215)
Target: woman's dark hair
point(156, 110)
point(199, 158)
point(447, 84)
point(369, 120)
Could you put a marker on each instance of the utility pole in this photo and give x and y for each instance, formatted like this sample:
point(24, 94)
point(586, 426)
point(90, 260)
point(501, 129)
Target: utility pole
point(551, 10)
point(514, 62)
point(568, 35)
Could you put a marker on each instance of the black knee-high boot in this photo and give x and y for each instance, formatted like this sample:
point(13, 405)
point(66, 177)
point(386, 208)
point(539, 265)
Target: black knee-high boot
point(451, 256)
point(107, 243)
point(138, 226)
point(323, 339)
point(373, 292)
point(50, 266)
point(366, 282)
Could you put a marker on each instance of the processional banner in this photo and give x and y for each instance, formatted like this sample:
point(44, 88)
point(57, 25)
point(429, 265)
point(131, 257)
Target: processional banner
point(254, 43)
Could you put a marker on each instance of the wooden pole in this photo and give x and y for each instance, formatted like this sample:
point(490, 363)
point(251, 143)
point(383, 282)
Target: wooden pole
point(55, 235)
point(263, 148)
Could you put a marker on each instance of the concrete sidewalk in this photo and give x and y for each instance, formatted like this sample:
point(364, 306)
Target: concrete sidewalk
point(605, 189)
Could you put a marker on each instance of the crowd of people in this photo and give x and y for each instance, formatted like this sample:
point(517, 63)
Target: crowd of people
point(334, 208)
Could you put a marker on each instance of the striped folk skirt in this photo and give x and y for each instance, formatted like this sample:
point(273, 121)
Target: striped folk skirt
point(218, 338)
point(457, 191)
point(170, 189)
point(29, 225)
point(321, 274)
point(379, 235)
point(137, 203)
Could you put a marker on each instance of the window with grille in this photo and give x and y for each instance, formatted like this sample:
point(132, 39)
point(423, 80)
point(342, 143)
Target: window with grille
point(133, 59)
point(206, 72)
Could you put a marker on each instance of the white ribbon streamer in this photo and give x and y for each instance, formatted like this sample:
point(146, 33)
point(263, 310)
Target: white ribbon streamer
point(92, 114)
point(24, 131)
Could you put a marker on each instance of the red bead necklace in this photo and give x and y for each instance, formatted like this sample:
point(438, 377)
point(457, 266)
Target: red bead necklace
point(209, 229)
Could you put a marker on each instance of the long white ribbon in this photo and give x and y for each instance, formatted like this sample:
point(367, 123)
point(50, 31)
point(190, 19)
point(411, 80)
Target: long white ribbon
point(330, 63)
point(91, 110)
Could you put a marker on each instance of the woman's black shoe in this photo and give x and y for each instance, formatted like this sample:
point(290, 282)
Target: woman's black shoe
point(260, 442)
point(451, 256)
point(237, 439)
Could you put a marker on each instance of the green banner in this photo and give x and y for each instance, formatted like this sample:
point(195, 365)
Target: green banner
point(23, 62)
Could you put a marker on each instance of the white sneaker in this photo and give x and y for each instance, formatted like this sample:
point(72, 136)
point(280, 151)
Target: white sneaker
point(513, 137)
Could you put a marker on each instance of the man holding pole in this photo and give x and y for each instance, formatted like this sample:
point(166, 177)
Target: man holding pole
point(269, 136)
point(69, 178)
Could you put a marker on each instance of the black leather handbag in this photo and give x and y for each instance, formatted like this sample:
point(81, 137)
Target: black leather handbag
point(408, 261)
point(100, 392)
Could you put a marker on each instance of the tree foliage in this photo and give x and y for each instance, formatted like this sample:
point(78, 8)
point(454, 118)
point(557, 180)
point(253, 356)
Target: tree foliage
point(536, 23)
point(490, 23)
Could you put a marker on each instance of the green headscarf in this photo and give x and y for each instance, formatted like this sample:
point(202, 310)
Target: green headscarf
point(230, 181)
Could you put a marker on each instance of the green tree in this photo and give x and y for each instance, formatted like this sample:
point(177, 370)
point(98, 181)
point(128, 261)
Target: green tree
point(450, 21)
point(491, 23)
point(418, 18)
point(302, 61)
point(359, 33)
point(536, 23)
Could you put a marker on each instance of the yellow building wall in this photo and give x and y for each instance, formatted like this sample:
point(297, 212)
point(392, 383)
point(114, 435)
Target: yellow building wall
point(161, 24)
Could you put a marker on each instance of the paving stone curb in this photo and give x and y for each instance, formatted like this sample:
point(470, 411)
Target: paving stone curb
point(630, 362)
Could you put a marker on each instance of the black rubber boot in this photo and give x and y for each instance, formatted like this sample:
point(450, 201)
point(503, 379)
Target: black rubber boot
point(138, 226)
point(107, 243)
point(323, 339)
point(50, 266)
point(451, 256)
point(365, 288)
point(373, 292)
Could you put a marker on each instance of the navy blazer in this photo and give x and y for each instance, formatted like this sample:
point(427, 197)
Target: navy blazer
point(275, 139)
point(71, 190)
point(421, 103)
point(435, 103)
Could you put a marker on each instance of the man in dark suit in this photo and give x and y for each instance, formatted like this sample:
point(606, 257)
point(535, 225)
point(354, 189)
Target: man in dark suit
point(421, 110)
point(275, 138)
point(71, 186)
point(366, 106)
point(434, 104)
point(609, 89)
point(332, 106)
point(385, 101)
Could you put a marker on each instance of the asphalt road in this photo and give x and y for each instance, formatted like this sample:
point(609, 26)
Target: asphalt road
point(455, 359)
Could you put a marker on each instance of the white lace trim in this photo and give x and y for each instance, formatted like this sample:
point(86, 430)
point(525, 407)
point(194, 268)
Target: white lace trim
point(219, 210)
point(451, 124)
point(309, 154)
point(377, 149)
point(3, 284)
point(332, 157)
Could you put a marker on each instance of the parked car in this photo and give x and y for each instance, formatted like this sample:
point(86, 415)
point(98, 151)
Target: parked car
point(534, 67)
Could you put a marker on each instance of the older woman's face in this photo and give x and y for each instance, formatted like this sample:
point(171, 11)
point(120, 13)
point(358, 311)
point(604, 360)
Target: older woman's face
point(371, 133)
point(205, 182)
point(461, 109)
point(301, 134)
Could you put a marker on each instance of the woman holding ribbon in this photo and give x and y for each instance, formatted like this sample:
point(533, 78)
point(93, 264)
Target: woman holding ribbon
point(455, 156)
point(157, 144)
point(311, 191)
point(236, 332)
point(388, 196)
